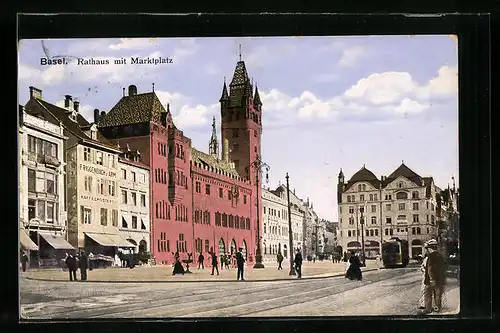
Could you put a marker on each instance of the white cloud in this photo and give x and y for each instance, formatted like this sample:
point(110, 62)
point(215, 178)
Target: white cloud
point(382, 88)
point(134, 43)
point(326, 77)
point(351, 55)
point(198, 115)
point(445, 83)
point(410, 106)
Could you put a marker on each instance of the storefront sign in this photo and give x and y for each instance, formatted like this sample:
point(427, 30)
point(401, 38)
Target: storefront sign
point(97, 171)
point(97, 199)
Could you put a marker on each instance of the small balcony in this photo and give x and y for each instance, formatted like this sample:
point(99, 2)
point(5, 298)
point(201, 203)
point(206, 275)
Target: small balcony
point(45, 159)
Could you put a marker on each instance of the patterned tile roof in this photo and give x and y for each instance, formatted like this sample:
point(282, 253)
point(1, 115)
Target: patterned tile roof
point(256, 98)
point(134, 109)
point(210, 161)
point(240, 76)
point(77, 128)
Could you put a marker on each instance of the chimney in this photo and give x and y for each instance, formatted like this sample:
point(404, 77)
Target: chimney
point(132, 90)
point(21, 115)
point(96, 116)
point(225, 150)
point(67, 101)
point(76, 105)
point(35, 93)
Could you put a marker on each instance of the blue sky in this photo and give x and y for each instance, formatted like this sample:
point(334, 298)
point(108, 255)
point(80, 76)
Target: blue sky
point(328, 102)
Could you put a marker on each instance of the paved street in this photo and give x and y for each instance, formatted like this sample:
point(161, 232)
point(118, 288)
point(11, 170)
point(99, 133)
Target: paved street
point(382, 292)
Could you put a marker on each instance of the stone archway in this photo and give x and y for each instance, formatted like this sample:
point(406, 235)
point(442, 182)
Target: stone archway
point(222, 247)
point(244, 249)
point(143, 246)
point(232, 247)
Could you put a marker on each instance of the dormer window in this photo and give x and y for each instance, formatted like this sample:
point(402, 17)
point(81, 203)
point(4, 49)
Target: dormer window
point(72, 116)
point(93, 134)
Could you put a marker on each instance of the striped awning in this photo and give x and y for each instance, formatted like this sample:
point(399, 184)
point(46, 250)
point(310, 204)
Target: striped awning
point(56, 241)
point(111, 240)
point(26, 242)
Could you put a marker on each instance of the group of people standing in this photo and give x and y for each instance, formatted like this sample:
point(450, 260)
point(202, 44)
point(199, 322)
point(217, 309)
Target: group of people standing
point(77, 262)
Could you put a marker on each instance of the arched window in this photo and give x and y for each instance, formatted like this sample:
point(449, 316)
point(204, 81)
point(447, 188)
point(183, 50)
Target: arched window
point(402, 195)
point(374, 219)
point(364, 187)
point(371, 197)
point(418, 231)
point(348, 198)
point(359, 188)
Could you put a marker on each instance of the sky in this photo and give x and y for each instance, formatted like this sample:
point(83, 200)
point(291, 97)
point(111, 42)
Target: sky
point(328, 102)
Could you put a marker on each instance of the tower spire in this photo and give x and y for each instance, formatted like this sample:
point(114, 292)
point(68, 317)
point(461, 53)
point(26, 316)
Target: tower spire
point(240, 52)
point(153, 87)
point(213, 145)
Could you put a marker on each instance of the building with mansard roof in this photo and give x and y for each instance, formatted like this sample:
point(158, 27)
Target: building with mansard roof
point(91, 177)
point(198, 200)
point(402, 204)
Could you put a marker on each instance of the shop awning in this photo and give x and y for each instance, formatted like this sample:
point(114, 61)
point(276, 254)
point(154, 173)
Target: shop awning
point(109, 240)
point(56, 241)
point(26, 242)
point(119, 241)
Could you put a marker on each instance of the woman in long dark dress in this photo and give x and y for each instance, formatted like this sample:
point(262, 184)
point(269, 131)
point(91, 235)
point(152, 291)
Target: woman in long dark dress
point(354, 270)
point(178, 269)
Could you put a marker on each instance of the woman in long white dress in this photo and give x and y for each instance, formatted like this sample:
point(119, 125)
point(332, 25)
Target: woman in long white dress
point(421, 304)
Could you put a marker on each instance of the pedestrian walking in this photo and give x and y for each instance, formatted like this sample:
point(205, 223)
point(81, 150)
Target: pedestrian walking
point(421, 303)
point(279, 258)
point(24, 261)
point(230, 258)
point(215, 265)
point(314, 258)
point(354, 270)
point(72, 267)
point(200, 261)
point(222, 261)
point(434, 279)
point(91, 261)
point(240, 261)
point(298, 263)
point(84, 264)
point(178, 268)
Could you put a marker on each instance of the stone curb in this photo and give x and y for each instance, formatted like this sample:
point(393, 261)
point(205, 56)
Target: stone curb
point(312, 277)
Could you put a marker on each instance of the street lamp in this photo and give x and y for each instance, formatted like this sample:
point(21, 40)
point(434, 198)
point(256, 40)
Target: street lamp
point(259, 165)
point(290, 234)
point(362, 222)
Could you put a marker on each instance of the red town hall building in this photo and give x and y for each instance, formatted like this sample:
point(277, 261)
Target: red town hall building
point(198, 200)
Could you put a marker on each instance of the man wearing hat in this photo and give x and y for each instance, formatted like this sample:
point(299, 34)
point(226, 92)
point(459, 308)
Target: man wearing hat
point(434, 277)
point(240, 261)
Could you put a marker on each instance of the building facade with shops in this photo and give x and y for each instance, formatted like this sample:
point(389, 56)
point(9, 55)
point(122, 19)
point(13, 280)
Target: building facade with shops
point(91, 182)
point(42, 205)
point(401, 205)
point(198, 201)
point(133, 219)
point(275, 225)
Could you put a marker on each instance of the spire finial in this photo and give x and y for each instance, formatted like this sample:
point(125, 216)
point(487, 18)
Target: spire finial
point(168, 107)
point(123, 92)
point(364, 166)
point(153, 87)
point(240, 52)
point(402, 161)
point(224, 80)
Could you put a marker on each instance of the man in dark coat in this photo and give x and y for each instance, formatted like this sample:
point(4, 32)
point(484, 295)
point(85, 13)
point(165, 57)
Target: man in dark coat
point(240, 261)
point(72, 267)
point(84, 265)
point(434, 277)
point(215, 264)
point(24, 261)
point(298, 263)
point(201, 258)
point(279, 258)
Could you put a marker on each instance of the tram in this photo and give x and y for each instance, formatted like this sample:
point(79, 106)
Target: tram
point(395, 253)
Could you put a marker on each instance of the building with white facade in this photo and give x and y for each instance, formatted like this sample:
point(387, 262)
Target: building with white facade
point(134, 219)
point(402, 204)
point(92, 177)
point(42, 206)
point(275, 225)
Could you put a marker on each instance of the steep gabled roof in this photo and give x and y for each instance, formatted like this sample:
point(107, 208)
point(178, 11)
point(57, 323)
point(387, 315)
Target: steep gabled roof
point(60, 114)
point(406, 172)
point(212, 162)
point(134, 109)
point(363, 175)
